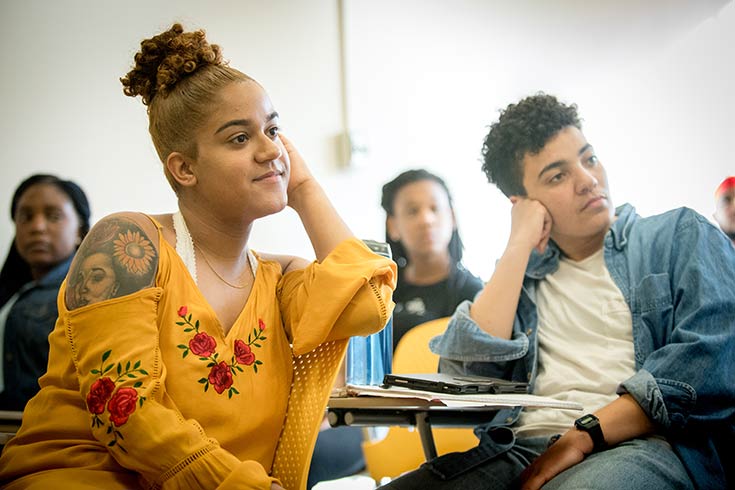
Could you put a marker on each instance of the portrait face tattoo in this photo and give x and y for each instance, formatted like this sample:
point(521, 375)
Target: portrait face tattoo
point(96, 280)
point(116, 259)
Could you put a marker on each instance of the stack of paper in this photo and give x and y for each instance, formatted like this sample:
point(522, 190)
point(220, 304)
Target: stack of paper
point(509, 400)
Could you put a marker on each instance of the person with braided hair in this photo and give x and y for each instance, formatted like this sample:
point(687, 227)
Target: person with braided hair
point(421, 229)
point(171, 362)
point(51, 218)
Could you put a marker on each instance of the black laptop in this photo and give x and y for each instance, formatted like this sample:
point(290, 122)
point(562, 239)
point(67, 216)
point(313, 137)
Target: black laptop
point(454, 384)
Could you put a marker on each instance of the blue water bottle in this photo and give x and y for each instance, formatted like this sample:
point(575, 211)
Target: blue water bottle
point(370, 358)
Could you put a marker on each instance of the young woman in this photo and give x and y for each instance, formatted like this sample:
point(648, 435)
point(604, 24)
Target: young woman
point(172, 361)
point(51, 218)
point(422, 231)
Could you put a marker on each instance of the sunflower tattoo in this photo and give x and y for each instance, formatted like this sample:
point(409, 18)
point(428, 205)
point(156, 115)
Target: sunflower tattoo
point(134, 252)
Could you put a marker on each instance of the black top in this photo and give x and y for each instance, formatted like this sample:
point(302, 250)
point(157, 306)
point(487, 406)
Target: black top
point(419, 304)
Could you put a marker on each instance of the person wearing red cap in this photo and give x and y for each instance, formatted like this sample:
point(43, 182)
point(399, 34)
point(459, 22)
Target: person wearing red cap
point(725, 207)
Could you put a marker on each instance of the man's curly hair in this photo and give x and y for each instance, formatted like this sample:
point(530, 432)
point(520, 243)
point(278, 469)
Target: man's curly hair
point(524, 127)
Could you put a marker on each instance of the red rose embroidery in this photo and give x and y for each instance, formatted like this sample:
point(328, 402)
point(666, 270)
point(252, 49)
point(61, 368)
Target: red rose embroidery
point(203, 344)
point(243, 353)
point(221, 373)
point(220, 377)
point(121, 405)
point(98, 394)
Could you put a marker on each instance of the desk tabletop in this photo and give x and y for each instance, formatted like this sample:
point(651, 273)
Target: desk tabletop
point(387, 411)
point(11, 415)
point(350, 402)
point(9, 425)
point(403, 403)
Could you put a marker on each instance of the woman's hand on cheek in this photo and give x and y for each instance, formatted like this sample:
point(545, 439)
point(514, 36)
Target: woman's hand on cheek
point(299, 172)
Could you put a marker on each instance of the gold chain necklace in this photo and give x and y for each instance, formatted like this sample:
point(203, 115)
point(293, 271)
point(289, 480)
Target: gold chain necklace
point(217, 273)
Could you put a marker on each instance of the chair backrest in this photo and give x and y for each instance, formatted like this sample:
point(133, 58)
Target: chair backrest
point(314, 375)
point(412, 354)
point(401, 449)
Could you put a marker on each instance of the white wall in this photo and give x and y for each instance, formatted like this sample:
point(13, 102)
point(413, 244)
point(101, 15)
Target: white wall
point(653, 81)
point(63, 110)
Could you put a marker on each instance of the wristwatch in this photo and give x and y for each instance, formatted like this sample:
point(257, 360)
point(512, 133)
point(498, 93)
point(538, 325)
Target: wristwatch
point(591, 425)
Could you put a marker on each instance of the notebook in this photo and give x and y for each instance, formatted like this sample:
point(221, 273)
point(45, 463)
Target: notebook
point(455, 384)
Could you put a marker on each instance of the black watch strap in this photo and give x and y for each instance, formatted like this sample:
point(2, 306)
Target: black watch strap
point(591, 425)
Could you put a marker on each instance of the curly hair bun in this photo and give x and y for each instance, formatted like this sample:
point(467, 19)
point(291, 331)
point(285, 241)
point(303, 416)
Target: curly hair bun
point(166, 59)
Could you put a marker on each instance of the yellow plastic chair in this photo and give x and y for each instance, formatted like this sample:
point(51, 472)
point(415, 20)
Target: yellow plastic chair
point(401, 450)
point(314, 375)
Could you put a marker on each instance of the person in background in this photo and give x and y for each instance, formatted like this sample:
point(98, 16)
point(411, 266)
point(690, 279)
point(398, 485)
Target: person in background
point(725, 207)
point(51, 218)
point(632, 317)
point(171, 364)
point(422, 231)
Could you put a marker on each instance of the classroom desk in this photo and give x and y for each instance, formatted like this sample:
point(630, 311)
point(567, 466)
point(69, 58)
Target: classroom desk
point(9, 425)
point(366, 411)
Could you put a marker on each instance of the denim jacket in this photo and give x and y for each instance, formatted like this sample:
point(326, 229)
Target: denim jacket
point(27, 327)
point(677, 274)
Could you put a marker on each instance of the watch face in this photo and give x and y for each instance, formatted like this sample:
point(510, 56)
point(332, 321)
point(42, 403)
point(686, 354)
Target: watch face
point(587, 419)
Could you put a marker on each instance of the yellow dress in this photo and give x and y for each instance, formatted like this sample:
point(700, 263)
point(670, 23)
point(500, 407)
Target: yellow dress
point(146, 390)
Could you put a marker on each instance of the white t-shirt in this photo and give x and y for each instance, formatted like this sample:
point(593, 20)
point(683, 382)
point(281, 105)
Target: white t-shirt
point(585, 342)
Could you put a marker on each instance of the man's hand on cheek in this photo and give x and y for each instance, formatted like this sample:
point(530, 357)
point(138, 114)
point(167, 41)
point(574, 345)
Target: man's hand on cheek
point(530, 224)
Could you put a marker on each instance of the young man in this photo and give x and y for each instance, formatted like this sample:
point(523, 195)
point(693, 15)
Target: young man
point(725, 207)
point(632, 317)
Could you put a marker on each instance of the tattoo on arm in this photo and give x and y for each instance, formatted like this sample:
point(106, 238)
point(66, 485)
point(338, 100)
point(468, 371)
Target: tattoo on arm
point(116, 259)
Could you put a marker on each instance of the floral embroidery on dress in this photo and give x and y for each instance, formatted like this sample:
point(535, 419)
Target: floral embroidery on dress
point(120, 404)
point(205, 346)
